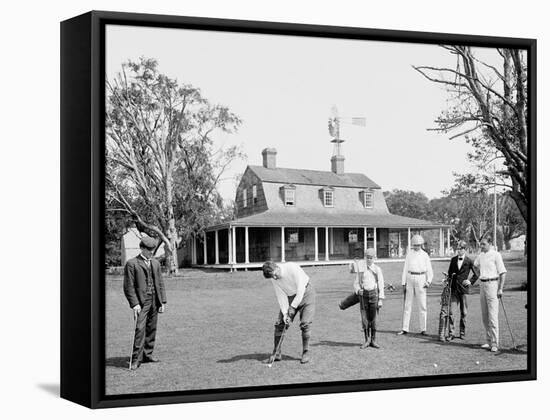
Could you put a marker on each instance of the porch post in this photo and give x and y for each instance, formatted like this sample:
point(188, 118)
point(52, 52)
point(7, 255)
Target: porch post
point(448, 238)
point(246, 256)
point(217, 245)
point(316, 244)
point(365, 240)
point(441, 243)
point(282, 244)
point(194, 251)
point(234, 247)
point(205, 259)
point(229, 252)
point(375, 248)
point(408, 238)
point(326, 243)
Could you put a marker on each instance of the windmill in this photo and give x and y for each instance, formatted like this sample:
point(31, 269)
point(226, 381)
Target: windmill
point(334, 122)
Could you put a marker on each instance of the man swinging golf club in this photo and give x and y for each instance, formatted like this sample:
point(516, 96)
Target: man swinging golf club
point(369, 292)
point(416, 278)
point(144, 289)
point(295, 294)
point(491, 272)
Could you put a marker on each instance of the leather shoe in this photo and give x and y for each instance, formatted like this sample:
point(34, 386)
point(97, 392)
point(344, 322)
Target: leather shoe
point(150, 360)
point(402, 332)
point(374, 345)
point(423, 333)
point(305, 357)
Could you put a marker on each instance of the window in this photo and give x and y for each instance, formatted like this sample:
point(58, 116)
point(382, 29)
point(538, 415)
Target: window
point(244, 197)
point(369, 199)
point(254, 195)
point(293, 236)
point(328, 198)
point(290, 197)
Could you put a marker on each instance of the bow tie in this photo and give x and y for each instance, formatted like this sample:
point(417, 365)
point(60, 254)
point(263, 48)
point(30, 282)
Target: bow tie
point(460, 259)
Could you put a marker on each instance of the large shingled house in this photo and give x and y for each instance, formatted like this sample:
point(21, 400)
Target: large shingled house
point(311, 217)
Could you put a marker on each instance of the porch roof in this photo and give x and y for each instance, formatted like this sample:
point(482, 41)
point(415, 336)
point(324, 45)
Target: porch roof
point(312, 219)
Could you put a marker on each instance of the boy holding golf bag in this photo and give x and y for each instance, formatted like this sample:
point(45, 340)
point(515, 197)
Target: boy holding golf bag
point(369, 292)
point(295, 294)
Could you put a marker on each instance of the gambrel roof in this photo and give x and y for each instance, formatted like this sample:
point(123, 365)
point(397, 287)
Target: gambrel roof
point(311, 177)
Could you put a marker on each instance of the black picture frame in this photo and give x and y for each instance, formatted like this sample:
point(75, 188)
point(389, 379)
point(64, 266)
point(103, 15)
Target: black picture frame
point(82, 208)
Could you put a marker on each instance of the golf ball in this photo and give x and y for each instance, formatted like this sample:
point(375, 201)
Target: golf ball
point(435, 364)
point(477, 363)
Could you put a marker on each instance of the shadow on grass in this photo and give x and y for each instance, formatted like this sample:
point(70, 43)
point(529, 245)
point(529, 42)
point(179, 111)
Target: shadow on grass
point(335, 344)
point(260, 357)
point(521, 349)
point(118, 362)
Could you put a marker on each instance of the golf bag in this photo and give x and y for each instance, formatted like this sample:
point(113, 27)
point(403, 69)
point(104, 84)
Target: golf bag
point(445, 315)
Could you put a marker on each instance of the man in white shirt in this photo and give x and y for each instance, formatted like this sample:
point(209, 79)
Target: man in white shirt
point(416, 278)
point(295, 294)
point(491, 272)
point(369, 292)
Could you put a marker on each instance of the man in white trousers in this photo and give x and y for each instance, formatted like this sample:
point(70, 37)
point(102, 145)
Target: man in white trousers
point(491, 272)
point(417, 277)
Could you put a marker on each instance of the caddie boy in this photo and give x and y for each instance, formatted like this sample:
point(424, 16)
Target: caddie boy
point(144, 290)
point(368, 288)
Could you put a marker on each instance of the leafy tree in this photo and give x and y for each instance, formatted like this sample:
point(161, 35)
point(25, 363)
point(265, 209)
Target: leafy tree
point(407, 203)
point(162, 164)
point(510, 220)
point(489, 109)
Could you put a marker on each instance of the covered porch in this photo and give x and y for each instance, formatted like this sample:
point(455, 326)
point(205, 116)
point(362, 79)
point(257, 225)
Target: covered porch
point(235, 246)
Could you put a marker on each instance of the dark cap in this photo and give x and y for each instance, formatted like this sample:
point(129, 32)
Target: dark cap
point(148, 242)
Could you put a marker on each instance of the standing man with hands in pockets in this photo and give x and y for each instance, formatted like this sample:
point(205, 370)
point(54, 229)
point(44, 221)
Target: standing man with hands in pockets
point(295, 294)
point(491, 272)
point(416, 278)
point(144, 289)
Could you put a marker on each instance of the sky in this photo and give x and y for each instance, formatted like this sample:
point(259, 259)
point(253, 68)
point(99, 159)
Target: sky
point(283, 88)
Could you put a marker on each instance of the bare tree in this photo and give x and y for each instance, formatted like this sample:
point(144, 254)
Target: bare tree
point(489, 109)
point(158, 141)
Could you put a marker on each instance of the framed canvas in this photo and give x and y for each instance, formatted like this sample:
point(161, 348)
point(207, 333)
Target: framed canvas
point(259, 209)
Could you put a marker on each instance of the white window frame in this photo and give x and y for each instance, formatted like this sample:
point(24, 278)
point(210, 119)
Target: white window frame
point(326, 193)
point(244, 198)
point(370, 195)
point(290, 191)
point(254, 194)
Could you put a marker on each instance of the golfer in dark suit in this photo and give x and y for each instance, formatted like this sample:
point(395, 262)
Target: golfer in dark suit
point(144, 289)
point(459, 271)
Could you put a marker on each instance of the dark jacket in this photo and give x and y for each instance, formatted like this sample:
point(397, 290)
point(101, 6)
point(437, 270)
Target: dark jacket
point(135, 281)
point(461, 275)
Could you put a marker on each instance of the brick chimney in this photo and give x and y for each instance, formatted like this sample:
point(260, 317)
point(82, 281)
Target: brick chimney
point(270, 158)
point(337, 164)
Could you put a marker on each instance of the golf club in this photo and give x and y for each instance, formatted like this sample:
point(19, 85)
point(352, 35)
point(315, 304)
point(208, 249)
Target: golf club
point(133, 339)
point(278, 348)
point(508, 323)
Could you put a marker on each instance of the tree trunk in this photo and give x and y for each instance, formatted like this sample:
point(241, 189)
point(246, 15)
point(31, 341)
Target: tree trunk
point(170, 250)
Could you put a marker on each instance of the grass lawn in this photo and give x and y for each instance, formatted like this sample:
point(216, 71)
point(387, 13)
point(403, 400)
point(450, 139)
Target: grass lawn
point(218, 327)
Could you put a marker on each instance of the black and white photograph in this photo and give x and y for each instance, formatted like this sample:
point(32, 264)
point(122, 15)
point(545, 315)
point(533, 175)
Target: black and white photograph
point(289, 210)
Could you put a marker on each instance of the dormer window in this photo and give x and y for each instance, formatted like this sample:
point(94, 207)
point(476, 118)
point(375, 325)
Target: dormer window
point(327, 195)
point(289, 195)
point(368, 199)
point(244, 198)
